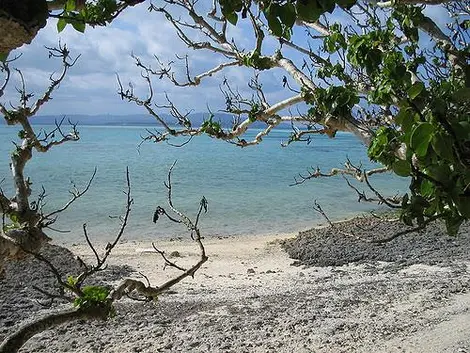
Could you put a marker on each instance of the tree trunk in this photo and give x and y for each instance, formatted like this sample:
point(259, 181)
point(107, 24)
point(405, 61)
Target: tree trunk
point(15, 341)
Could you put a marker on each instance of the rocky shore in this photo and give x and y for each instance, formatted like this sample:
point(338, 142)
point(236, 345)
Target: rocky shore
point(338, 293)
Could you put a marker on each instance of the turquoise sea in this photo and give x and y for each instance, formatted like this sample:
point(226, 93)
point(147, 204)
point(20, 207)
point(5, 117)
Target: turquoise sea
point(247, 189)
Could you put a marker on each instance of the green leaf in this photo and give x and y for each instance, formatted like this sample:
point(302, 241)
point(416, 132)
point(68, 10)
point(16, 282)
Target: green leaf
point(309, 10)
point(440, 172)
point(232, 18)
point(79, 26)
point(96, 293)
point(4, 56)
point(92, 296)
point(14, 218)
point(403, 115)
point(439, 105)
point(465, 24)
point(462, 130)
point(426, 188)
point(287, 33)
point(420, 138)
point(401, 168)
point(464, 206)
point(462, 95)
point(453, 224)
point(288, 15)
point(346, 4)
point(61, 25)
point(70, 6)
point(415, 90)
point(442, 145)
point(327, 5)
point(275, 25)
point(71, 281)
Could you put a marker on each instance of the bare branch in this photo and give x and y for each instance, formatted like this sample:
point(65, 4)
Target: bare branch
point(165, 258)
point(318, 208)
point(63, 53)
point(130, 285)
point(15, 341)
point(101, 261)
point(76, 194)
point(350, 169)
point(197, 79)
point(219, 43)
point(381, 198)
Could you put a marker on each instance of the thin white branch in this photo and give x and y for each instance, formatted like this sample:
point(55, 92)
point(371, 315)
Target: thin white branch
point(283, 105)
point(317, 26)
point(259, 137)
point(302, 79)
point(386, 4)
point(196, 80)
point(357, 173)
point(215, 70)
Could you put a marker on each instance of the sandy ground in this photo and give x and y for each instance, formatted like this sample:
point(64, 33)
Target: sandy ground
point(249, 297)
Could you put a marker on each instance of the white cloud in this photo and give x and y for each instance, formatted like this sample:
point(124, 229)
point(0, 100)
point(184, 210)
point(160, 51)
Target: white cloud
point(91, 86)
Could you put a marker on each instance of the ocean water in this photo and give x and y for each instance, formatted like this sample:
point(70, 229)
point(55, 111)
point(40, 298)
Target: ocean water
point(247, 189)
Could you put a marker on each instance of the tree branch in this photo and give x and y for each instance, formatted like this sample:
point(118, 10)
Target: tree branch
point(130, 285)
point(14, 342)
point(76, 194)
point(350, 169)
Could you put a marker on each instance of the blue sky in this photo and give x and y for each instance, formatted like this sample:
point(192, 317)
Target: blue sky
point(91, 86)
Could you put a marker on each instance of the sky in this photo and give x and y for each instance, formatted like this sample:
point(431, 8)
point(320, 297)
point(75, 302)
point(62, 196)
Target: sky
point(91, 85)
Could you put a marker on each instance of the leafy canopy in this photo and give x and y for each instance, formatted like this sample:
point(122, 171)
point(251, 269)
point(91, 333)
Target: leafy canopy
point(423, 89)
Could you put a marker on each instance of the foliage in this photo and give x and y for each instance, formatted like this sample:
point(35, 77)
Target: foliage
point(377, 72)
point(282, 14)
point(88, 296)
point(210, 127)
point(430, 107)
point(92, 296)
point(431, 119)
point(99, 13)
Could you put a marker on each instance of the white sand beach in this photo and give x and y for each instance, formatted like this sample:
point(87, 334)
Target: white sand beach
point(248, 297)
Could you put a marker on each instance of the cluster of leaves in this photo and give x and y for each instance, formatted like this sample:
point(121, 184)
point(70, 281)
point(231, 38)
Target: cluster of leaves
point(90, 296)
point(435, 128)
point(333, 101)
point(431, 121)
point(430, 114)
point(281, 15)
point(98, 13)
point(211, 127)
point(15, 222)
point(254, 60)
point(254, 111)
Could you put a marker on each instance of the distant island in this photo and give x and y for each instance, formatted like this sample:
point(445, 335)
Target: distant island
point(134, 120)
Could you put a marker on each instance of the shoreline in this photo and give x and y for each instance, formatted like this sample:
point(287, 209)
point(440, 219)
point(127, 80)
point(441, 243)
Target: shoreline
point(248, 297)
point(185, 237)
